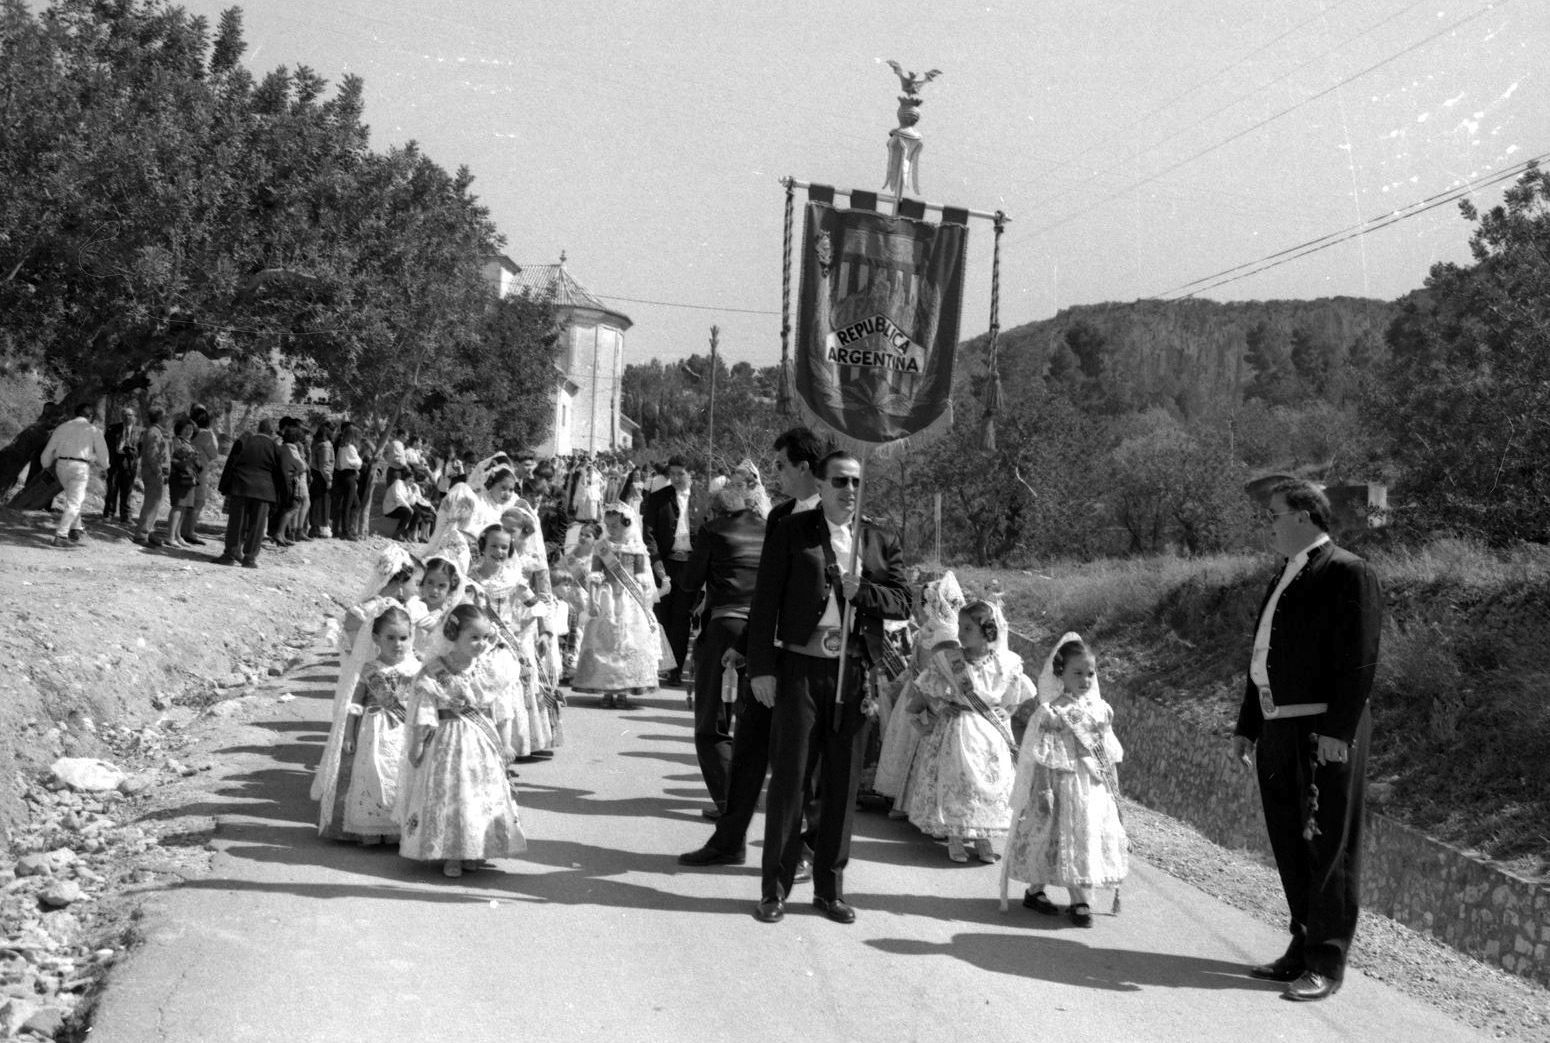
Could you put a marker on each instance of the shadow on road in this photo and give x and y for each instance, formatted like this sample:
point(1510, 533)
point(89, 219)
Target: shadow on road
point(1063, 962)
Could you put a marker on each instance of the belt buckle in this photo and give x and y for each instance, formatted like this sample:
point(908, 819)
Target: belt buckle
point(831, 642)
point(1267, 705)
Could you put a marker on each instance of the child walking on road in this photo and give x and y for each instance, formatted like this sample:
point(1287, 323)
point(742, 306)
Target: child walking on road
point(1066, 828)
point(374, 730)
point(455, 804)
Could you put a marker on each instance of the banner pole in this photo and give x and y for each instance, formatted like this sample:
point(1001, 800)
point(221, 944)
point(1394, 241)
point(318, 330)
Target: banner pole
point(849, 614)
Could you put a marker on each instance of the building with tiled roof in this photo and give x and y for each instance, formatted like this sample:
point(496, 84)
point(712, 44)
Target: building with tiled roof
point(586, 401)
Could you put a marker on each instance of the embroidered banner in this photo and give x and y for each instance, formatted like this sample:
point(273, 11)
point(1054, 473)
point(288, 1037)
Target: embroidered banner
point(877, 323)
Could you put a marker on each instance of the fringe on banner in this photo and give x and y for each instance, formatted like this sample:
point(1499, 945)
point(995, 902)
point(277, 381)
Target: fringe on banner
point(783, 389)
point(987, 440)
point(874, 450)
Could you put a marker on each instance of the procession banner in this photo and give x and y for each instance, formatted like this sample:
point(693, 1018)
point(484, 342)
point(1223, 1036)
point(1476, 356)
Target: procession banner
point(877, 324)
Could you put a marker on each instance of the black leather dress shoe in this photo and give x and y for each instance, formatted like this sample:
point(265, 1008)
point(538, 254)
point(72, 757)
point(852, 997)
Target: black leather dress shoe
point(804, 872)
point(836, 909)
point(709, 856)
point(771, 910)
point(1278, 970)
point(1311, 986)
point(713, 813)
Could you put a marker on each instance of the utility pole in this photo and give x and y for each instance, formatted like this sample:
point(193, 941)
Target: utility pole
point(710, 427)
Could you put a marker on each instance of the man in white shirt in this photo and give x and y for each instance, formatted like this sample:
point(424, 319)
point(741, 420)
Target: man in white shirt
point(670, 517)
point(73, 449)
point(1305, 723)
point(798, 652)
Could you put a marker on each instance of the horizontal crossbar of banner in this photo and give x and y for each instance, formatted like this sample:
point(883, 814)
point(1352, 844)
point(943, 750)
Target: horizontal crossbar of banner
point(989, 215)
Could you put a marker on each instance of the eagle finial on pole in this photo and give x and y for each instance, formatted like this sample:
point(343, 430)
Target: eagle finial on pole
point(909, 81)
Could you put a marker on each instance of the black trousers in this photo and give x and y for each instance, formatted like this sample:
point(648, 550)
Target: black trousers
point(322, 503)
point(749, 764)
point(674, 610)
point(246, 525)
point(1321, 876)
point(712, 717)
point(346, 499)
point(805, 745)
point(121, 486)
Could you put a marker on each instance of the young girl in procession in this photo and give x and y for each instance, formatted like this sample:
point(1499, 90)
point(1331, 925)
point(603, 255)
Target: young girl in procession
point(386, 589)
point(936, 613)
point(455, 805)
point(534, 622)
point(499, 585)
point(441, 589)
point(620, 649)
point(1066, 829)
point(374, 731)
point(968, 761)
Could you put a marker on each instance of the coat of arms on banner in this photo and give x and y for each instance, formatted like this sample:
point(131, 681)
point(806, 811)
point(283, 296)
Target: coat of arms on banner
point(878, 324)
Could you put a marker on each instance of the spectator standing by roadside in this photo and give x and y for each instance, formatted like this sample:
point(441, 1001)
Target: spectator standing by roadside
point(321, 480)
point(254, 483)
point(209, 449)
point(293, 523)
point(123, 452)
point(184, 479)
point(347, 469)
point(73, 449)
point(155, 465)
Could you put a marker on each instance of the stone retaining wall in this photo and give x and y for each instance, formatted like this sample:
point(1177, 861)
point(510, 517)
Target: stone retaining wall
point(1407, 876)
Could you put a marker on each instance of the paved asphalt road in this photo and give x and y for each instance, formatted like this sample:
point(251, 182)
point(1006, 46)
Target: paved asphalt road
point(598, 934)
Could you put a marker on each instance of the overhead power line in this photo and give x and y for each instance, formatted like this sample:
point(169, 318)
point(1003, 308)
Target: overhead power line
point(1324, 242)
point(1266, 121)
point(692, 307)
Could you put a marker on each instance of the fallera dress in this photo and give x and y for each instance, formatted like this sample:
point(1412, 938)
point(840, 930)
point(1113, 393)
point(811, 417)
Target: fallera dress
point(965, 769)
point(457, 803)
point(621, 648)
point(1079, 841)
point(379, 747)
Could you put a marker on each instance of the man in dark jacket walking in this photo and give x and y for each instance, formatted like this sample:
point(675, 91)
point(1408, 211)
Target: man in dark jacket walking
point(254, 483)
point(725, 562)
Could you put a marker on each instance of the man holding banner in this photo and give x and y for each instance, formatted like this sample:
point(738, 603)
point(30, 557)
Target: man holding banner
point(819, 569)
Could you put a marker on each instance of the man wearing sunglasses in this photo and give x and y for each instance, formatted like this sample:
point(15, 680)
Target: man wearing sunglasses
point(797, 651)
point(1305, 727)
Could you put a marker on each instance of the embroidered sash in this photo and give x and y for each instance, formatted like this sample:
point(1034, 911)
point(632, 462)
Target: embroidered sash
point(615, 569)
point(956, 670)
point(1089, 736)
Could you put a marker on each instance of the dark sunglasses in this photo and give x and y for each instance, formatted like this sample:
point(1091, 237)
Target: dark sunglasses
point(845, 481)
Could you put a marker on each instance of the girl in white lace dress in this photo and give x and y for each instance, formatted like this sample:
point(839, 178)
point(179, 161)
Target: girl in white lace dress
point(1066, 828)
point(964, 787)
point(621, 649)
point(374, 732)
point(455, 805)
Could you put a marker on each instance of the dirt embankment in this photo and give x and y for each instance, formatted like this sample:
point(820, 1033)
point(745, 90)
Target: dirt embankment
point(1461, 705)
point(113, 632)
point(114, 651)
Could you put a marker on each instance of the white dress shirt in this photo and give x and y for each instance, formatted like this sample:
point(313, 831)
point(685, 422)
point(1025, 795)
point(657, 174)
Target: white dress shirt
point(841, 539)
point(1258, 671)
point(682, 543)
point(76, 439)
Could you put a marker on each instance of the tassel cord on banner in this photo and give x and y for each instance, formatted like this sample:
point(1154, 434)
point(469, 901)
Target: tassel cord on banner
point(783, 381)
point(849, 616)
point(993, 374)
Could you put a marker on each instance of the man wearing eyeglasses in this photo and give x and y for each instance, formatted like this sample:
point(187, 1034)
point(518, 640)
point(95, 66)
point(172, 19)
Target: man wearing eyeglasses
point(1305, 726)
point(796, 652)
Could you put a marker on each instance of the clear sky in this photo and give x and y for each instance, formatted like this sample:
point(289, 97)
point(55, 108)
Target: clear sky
point(1136, 144)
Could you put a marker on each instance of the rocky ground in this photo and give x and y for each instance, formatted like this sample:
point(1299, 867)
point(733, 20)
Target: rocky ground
point(131, 668)
point(115, 657)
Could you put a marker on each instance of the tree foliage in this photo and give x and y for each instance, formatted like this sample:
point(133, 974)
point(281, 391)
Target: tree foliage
point(161, 200)
point(1465, 400)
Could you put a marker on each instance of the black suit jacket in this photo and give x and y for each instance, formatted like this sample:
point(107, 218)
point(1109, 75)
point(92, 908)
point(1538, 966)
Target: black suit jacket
point(1323, 643)
point(115, 438)
point(726, 558)
point(793, 587)
point(659, 519)
point(254, 469)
